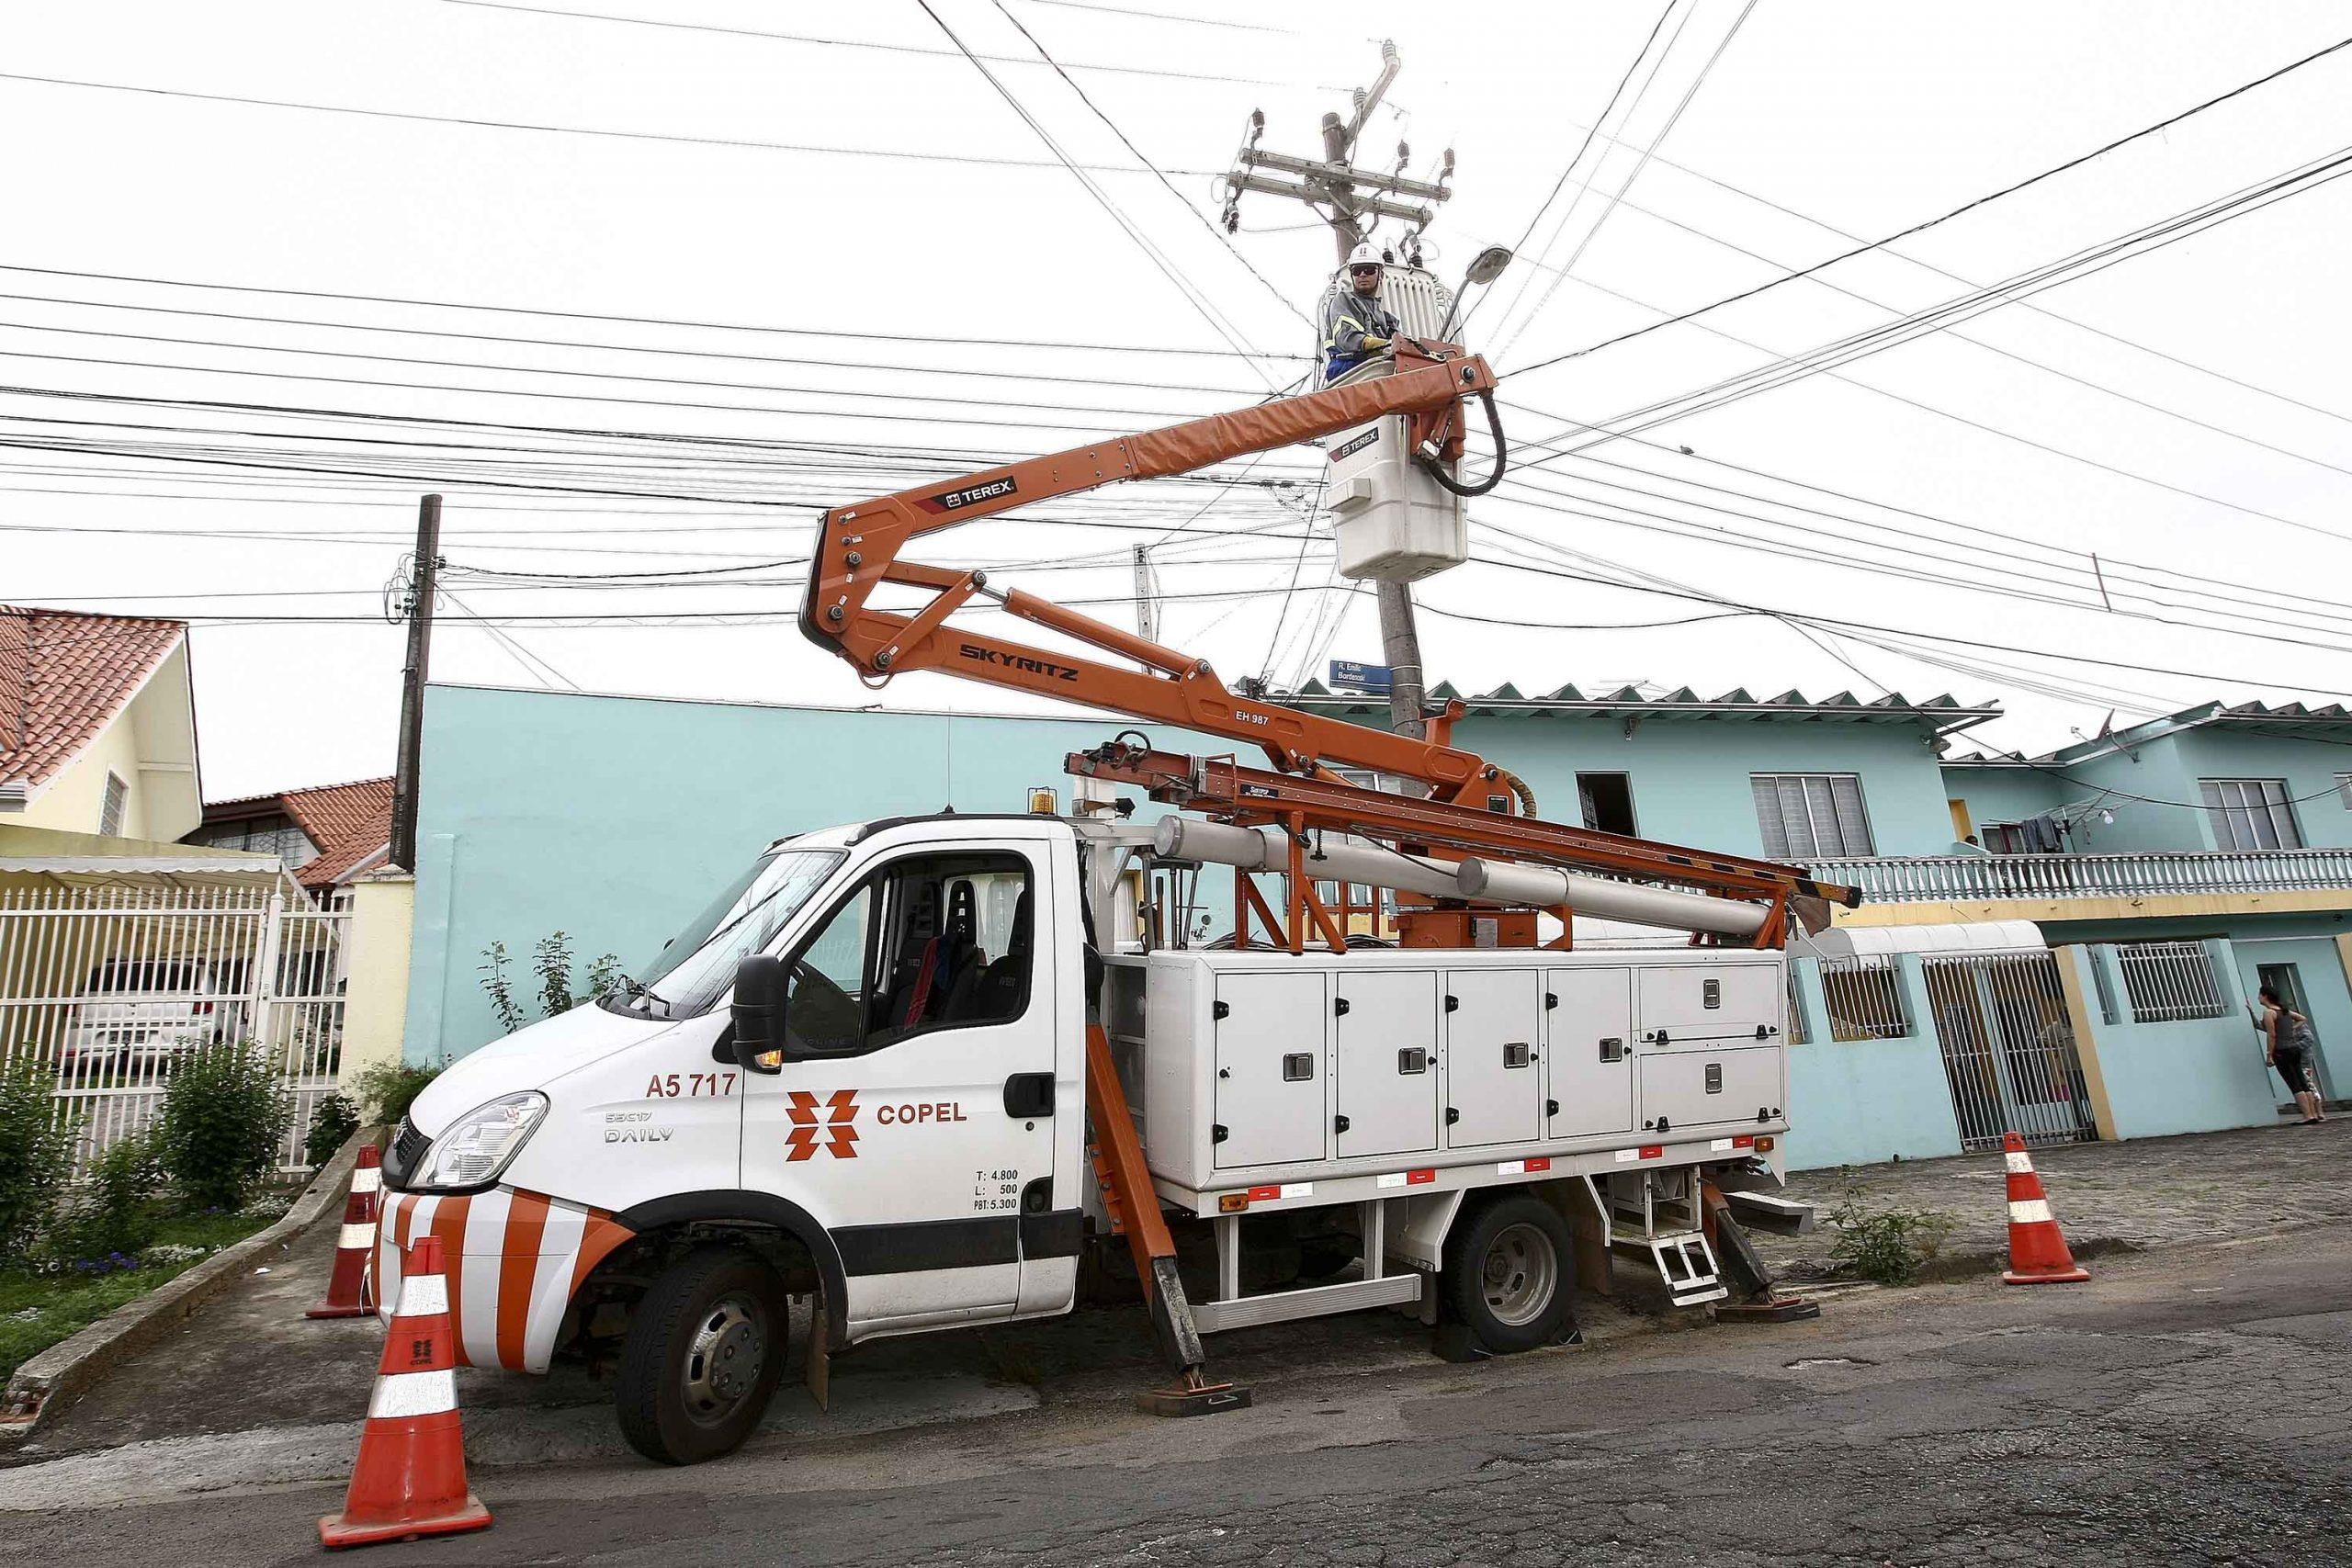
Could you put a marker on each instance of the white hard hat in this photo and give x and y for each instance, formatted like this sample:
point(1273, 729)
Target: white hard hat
point(1362, 256)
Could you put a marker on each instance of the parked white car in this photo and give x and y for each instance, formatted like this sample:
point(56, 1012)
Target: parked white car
point(142, 1012)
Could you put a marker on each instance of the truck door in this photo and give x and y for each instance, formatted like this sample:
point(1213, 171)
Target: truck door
point(915, 1107)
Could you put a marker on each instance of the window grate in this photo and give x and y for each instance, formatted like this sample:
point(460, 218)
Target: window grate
point(1812, 815)
point(2168, 981)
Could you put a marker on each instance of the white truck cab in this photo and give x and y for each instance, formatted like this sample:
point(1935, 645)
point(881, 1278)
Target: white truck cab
point(889, 1113)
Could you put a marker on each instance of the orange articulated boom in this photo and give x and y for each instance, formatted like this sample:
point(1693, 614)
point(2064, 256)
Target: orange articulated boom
point(857, 552)
point(858, 548)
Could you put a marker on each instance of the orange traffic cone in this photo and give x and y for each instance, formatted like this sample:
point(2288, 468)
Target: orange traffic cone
point(411, 1478)
point(349, 1288)
point(2038, 1254)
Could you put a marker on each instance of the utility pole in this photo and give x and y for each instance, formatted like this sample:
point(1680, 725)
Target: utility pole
point(1334, 184)
point(412, 678)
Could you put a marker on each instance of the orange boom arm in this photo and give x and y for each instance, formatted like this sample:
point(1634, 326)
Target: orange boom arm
point(858, 550)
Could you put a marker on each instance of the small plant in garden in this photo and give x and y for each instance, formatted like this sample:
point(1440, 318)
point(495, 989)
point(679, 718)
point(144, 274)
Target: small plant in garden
point(119, 1210)
point(1886, 1244)
point(551, 962)
point(36, 1156)
point(225, 1113)
point(500, 987)
point(387, 1088)
point(333, 1119)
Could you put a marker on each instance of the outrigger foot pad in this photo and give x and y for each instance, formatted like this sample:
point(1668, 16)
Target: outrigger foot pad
point(1775, 1309)
point(1454, 1342)
point(1194, 1399)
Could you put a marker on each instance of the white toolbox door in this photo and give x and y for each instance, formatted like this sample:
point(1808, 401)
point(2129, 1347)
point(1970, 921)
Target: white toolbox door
point(1493, 1081)
point(1386, 1074)
point(1270, 1070)
point(1709, 1002)
point(1590, 1031)
point(1720, 1089)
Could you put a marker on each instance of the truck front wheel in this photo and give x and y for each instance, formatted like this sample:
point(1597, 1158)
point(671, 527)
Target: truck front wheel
point(1506, 1272)
point(704, 1350)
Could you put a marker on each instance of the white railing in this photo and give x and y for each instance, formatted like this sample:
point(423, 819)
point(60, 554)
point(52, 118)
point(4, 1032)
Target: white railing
point(1932, 878)
point(106, 988)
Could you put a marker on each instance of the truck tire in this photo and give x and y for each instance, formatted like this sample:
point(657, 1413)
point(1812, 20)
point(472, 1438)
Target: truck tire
point(1506, 1272)
point(705, 1348)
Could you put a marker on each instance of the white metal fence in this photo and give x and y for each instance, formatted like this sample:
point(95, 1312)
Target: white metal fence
point(2166, 981)
point(107, 989)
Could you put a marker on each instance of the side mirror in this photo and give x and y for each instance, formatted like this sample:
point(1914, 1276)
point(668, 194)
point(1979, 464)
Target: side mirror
point(762, 983)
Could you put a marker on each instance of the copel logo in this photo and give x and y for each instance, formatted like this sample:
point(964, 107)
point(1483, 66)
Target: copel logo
point(840, 1135)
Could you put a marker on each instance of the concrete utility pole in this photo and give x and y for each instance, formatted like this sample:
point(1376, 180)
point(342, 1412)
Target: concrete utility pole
point(1333, 183)
point(412, 678)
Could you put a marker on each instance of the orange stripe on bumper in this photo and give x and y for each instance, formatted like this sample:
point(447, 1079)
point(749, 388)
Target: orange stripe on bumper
point(526, 1220)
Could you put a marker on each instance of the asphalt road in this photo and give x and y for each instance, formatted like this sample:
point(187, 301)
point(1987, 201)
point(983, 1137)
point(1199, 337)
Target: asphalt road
point(2185, 1406)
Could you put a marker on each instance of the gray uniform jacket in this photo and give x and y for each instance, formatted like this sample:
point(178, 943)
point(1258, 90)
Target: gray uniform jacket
point(1348, 318)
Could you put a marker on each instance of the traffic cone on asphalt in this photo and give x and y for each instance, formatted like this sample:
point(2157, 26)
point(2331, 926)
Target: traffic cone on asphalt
point(349, 1288)
point(411, 1478)
point(2038, 1254)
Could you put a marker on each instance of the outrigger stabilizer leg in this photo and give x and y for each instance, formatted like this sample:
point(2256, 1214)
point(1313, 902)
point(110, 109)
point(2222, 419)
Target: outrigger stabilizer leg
point(1134, 1208)
point(1744, 1271)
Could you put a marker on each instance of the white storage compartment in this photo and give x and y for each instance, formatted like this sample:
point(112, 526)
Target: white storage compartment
point(1731, 1087)
point(1590, 1031)
point(1494, 1091)
point(1270, 1069)
point(1685, 1002)
point(1385, 1062)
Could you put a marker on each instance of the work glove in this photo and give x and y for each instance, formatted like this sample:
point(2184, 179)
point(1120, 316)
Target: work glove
point(1375, 344)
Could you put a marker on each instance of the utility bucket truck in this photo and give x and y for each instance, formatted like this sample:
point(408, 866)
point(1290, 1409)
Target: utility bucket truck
point(915, 1068)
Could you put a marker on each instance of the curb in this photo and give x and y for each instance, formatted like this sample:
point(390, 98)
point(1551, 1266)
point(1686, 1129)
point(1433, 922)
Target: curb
point(51, 1380)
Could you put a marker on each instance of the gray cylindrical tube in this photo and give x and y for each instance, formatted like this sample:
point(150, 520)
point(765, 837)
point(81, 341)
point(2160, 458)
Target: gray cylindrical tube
point(1507, 881)
point(1332, 857)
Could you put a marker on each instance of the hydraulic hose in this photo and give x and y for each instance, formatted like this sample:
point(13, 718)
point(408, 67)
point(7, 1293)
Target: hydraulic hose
point(1495, 426)
point(1518, 786)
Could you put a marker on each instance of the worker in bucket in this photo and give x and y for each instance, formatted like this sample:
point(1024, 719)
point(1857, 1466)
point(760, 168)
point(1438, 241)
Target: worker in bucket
point(1356, 326)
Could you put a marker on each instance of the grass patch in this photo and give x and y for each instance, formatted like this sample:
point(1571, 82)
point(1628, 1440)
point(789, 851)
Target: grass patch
point(40, 1307)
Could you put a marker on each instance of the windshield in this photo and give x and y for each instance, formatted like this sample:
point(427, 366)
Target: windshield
point(696, 967)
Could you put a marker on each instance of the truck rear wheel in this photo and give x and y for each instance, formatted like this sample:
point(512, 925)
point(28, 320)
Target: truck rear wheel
point(704, 1351)
point(1507, 1275)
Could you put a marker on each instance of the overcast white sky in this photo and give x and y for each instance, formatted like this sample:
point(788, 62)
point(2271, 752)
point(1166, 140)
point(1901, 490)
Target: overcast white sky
point(1866, 117)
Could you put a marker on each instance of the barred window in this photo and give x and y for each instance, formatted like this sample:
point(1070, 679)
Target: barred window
point(2165, 981)
point(1810, 815)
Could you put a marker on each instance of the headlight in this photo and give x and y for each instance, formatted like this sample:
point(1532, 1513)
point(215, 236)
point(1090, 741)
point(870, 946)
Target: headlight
point(473, 1150)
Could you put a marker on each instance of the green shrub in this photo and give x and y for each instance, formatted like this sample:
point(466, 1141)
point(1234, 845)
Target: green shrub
point(333, 1119)
point(36, 1155)
point(226, 1112)
point(387, 1088)
point(1885, 1245)
point(117, 1211)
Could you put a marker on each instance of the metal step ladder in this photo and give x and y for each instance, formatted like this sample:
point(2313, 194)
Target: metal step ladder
point(1654, 1215)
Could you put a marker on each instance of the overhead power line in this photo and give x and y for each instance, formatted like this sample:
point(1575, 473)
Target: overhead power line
point(1574, 159)
point(928, 339)
point(873, 44)
point(1198, 216)
point(478, 122)
point(1161, 262)
point(2028, 182)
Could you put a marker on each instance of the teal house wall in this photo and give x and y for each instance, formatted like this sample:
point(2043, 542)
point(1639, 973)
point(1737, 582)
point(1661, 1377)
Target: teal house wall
point(614, 819)
point(1689, 776)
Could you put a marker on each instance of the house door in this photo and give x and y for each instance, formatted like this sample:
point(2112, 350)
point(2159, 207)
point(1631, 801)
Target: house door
point(2288, 982)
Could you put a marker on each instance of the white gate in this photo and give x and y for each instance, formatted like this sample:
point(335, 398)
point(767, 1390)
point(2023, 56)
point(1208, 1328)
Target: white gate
point(105, 987)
